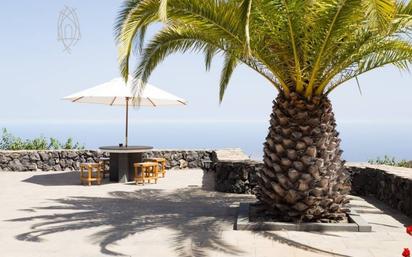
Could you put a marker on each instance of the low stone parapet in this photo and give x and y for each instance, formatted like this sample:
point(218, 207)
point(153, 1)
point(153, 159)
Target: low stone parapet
point(67, 160)
point(180, 159)
point(391, 185)
point(236, 176)
point(234, 171)
point(57, 160)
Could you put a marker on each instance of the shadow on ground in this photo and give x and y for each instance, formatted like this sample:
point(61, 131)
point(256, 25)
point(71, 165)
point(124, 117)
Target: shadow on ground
point(195, 215)
point(70, 178)
point(295, 244)
point(393, 213)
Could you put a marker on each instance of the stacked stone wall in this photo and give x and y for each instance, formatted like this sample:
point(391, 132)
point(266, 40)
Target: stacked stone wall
point(68, 160)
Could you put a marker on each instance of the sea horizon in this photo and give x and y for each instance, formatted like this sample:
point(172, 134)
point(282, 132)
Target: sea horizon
point(361, 140)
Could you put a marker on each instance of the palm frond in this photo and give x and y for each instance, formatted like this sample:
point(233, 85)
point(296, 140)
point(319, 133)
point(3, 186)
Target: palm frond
point(181, 39)
point(246, 8)
point(229, 66)
point(304, 46)
point(379, 12)
point(395, 52)
point(210, 51)
point(404, 8)
point(124, 11)
point(137, 19)
point(163, 10)
point(340, 14)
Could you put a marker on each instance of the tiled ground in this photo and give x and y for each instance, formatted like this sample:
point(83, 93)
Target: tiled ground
point(50, 214)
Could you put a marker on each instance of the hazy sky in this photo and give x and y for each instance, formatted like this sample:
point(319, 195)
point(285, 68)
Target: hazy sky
point(36, 73)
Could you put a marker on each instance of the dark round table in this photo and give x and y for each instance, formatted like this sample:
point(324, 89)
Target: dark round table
point(122, 159)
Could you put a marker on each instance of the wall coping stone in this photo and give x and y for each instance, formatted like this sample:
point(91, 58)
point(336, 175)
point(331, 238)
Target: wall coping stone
point(392, 170)
point(229, 154)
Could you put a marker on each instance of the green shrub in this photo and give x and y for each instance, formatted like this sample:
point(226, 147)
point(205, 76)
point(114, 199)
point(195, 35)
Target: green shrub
point(391, 161)
point(11, 142)
point(54, 144)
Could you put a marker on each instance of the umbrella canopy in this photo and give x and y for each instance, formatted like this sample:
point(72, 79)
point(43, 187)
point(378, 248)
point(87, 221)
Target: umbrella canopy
point(117, 93)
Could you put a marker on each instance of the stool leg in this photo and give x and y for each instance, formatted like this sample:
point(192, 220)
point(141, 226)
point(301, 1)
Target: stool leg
point(151, 169)
point(98, 175)
point(156, 169)
point(147, 174)
point(144, 174)
point(89, 175)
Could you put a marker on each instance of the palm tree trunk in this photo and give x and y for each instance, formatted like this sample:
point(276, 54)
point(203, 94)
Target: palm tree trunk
point(303, 178)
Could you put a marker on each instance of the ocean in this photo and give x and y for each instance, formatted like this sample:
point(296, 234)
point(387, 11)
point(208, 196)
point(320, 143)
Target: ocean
point(361, 141)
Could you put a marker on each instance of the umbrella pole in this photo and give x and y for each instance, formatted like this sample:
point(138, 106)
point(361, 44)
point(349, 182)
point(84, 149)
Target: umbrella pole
point(127, 120)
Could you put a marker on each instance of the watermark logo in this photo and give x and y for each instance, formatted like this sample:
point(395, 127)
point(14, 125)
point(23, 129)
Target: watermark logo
point(68, 28)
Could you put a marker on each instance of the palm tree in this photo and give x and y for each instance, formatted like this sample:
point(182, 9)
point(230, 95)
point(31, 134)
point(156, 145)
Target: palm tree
point(305, 49)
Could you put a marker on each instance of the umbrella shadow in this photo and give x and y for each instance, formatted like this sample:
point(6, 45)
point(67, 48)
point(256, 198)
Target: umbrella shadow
point(197, 217)
point(69, 178)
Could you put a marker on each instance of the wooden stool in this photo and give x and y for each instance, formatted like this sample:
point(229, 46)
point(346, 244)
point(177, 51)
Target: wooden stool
point(103, 162)
point(93, 173)
point(161, 162)
point(148, 171)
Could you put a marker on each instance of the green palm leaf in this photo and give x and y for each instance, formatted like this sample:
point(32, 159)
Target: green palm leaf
point(228, 68)
point(307, 47)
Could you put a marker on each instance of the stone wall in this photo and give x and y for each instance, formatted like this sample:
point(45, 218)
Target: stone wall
point(391, 185)
point(234, 172)
point(59, 160)
point(236, 176)
point(180, 159)
point(46, 160)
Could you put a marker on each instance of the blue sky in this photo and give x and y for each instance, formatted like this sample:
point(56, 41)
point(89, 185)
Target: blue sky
point(36, 73)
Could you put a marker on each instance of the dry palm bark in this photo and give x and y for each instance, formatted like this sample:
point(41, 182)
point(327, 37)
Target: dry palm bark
point(304, 176)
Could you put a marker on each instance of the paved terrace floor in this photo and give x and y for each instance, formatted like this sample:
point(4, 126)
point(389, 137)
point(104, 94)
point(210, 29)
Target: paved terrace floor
point(50, 214)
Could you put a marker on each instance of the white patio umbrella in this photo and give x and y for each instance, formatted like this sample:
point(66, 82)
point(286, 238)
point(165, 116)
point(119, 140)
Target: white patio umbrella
point(117, 93)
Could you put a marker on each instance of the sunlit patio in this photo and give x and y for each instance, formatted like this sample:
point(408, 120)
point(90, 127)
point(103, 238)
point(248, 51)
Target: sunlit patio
point(47, 214)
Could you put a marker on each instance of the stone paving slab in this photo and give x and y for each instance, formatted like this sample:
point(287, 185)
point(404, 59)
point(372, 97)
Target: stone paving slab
point(356, 223)
point(49, 214)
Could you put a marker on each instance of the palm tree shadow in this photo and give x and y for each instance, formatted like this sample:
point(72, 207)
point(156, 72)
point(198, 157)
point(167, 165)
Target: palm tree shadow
point(196, 216)
point(296, 244)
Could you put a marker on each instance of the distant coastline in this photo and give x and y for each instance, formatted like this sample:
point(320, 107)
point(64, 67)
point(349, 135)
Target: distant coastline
point(361, 141)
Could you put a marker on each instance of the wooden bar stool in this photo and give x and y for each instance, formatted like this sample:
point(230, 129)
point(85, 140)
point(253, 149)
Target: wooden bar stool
point(148, 171)
point(104, 161)
point(90, 172)
point(161, 162)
